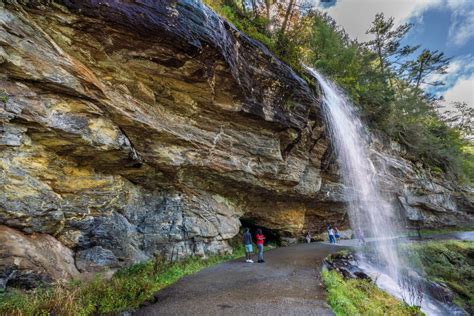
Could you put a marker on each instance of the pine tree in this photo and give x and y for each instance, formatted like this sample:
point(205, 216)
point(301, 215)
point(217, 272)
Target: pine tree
point(459, 115)
point(386, 43)
point(429, 62)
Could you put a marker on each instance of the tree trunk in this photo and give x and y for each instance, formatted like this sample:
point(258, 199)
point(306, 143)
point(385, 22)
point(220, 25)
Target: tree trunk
point(254, 8)
point(379, 52)
point(287, 16)
point(419, 75)
point(268, 4)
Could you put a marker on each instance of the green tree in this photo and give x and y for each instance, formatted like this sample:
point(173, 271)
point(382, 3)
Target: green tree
point(351, 65)
point(420, 70)
point(459, 115)
point(386, 42)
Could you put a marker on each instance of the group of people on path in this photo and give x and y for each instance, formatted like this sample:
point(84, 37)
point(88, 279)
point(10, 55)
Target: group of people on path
point(333, 235)
point(247, 239)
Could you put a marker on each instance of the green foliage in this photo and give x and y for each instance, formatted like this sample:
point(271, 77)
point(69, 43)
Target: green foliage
point(414, 123)
point(438, 231)
point(282, 45)
point(452, 263)
point(468, 164)
point(378, 76)
point(128, 289)
point(426, 64)
point(3, 97)
point(351, 66)
point(361, 297)
point(386, 43)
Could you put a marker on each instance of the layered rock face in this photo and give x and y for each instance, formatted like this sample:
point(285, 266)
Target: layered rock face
point(423, 199)
point(132, 129)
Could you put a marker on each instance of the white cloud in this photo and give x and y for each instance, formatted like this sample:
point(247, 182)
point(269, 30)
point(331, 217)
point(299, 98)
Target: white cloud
point(462, 26)
point(457, 4)
point(356, 15)
point(463, 91)
point(458, 80)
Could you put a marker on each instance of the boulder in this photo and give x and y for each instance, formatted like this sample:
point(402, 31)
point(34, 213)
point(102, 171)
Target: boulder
point(30, 260)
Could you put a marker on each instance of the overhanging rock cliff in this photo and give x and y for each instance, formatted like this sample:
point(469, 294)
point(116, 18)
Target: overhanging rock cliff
point(139, 128)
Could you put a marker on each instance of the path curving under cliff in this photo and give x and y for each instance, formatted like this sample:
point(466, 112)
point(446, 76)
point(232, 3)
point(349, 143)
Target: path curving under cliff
point(288, 283)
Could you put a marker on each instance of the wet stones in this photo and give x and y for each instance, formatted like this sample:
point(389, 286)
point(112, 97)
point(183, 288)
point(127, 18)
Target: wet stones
point(345, 264)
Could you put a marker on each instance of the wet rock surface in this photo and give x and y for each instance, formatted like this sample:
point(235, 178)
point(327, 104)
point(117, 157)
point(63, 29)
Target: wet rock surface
point(135, 129)
point(423, 198)
point(131, 130)
point(345, 263)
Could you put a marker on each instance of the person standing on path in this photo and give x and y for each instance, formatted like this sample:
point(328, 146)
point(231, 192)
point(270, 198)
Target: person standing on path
point(247, 239)
point(308, 237)
point(336, 234)
point(331, 234)
point(360, 235)
point(260, 240)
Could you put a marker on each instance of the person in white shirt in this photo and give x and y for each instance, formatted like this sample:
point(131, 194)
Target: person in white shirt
point(331, 233)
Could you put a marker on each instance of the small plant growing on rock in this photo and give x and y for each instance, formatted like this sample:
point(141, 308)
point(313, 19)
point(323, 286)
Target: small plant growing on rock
point(3, 97)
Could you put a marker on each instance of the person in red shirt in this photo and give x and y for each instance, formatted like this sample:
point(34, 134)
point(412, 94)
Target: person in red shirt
point(260, 240)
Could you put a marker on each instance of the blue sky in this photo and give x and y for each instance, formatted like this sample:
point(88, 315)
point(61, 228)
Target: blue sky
point(445, 25)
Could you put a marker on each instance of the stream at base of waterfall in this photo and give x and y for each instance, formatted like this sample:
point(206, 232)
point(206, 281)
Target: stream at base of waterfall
point(370, 209)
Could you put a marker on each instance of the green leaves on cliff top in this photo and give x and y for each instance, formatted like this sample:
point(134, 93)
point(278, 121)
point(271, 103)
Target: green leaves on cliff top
point(381, 77)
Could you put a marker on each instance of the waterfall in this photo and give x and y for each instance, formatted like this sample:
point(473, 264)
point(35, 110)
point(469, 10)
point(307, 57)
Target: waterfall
point(369, 210)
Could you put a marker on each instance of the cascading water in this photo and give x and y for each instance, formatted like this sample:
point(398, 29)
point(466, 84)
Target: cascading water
point(369, 209)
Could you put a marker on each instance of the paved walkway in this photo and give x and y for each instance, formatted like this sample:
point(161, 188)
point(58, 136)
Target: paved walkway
point(288, 283)
point(354, 243)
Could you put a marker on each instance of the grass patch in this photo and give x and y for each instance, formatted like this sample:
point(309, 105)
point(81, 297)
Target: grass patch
point(450, 262)
point(361, 297)
point(128, 289)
